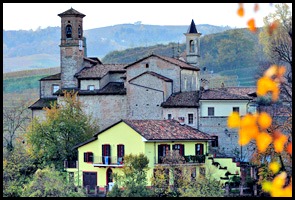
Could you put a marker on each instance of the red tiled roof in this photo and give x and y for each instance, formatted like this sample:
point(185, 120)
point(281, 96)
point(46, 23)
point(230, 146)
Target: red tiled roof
point(153, 74)
point(224, 94)
point(174, 61)
point(100, 70)
point(182, 99)
point(166, 130)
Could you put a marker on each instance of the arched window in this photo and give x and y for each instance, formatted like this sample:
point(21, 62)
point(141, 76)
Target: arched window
point(192, 46)
point(69, 31)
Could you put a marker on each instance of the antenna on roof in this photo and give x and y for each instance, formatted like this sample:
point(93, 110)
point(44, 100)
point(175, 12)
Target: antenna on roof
point(172, 50)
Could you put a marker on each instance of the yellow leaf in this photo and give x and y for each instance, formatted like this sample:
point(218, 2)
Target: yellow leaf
point(244, 137)
point(279, 141)
point(264, 120)
point(248, 121)
point(251, 25)
point(263, 140)
point(274, 167)
point(233, 120)
point(277, 185)
point(266, 186)
point(271, 71)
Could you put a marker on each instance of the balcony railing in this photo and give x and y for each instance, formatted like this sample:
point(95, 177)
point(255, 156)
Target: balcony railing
point(108, 160)
point(70, 164)
point(188, 159)
point(195, 159)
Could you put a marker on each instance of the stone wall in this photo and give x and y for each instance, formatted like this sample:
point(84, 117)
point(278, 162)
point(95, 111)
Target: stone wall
point(105, 109)
point(46, 88)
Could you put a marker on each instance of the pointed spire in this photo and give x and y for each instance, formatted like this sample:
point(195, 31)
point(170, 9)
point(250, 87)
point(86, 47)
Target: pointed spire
point(192, 28)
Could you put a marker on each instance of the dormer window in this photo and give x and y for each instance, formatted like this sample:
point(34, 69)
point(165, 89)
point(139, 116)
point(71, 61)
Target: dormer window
point(55, 88)
point(90, 87)
point(69, 31)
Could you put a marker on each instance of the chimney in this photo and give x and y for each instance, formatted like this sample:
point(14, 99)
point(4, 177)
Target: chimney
point(181, 120)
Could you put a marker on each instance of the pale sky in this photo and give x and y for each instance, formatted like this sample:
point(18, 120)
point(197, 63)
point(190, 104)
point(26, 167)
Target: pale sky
point(26, 16)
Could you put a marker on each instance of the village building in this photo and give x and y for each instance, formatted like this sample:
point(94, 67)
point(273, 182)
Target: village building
point(155, 91)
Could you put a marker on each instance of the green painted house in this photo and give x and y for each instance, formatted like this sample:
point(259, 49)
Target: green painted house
point(103, 155)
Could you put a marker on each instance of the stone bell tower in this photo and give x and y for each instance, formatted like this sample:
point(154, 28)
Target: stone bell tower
point(71, 47)
point(192, 45)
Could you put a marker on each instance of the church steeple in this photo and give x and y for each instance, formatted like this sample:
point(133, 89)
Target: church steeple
point(71, 47)
point(192, 44)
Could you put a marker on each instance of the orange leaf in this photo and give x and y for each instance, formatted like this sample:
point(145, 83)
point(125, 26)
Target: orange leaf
point(262, 141)
point(244, 136)
point(264, 120)
point(279, 141)
point(241, 11)
point(272, 27)
point(265, 85)
point(289, 148)
point(248, 121)
point(233, 120)
point(251, 25)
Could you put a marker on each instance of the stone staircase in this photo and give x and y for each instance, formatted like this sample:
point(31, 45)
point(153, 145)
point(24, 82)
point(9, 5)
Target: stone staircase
point(226, 167)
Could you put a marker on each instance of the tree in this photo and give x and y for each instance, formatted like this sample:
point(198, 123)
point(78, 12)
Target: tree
point(15, 119)
point(51, 140)
point(133, 177)
point(48, 182)
point(18, 167)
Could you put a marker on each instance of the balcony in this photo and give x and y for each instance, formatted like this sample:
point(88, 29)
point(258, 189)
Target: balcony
point(70, 164)
point(189, 159)
point(105, 161)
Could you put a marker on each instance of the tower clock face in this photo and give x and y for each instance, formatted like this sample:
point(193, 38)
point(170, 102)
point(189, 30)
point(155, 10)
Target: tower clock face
point(80, 45)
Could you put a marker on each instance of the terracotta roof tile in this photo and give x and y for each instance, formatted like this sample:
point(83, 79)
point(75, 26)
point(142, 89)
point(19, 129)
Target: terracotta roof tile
point(224, 94)
point(174, 61)
point(182, 99)
point(166, 130)
point(100, 70)
point(153, 74)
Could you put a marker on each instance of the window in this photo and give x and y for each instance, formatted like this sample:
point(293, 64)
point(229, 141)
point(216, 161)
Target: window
point(106, 153)
point(179, 148)
point(236, 109)
point(88, 157)
point(79, 32)
point(192, 46)
point(210, 111)
point(55, 88)
point(169, 116)
point(162, 151)
point(69, 31)
point(199, 149)
point(146, 65)
point(190, 118)
point(90, 87)
point(215, 141)
point(120, 153)
point(202, 171)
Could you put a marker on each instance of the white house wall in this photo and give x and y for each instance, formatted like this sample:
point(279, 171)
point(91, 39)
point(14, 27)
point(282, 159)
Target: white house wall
point(222, 107)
